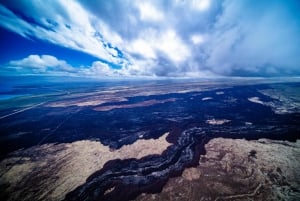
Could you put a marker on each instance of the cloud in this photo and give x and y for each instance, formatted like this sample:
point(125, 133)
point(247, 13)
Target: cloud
point(197, 39)
point(56, 22)
point(166, 43)
point(168, 38)
point(100, 69)
point(50, 65)
point(260, 39)
point(41, 64)
point(149, 12)
point(200, 4)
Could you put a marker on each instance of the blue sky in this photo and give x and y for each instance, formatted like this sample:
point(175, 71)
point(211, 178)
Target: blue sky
point(150, 38)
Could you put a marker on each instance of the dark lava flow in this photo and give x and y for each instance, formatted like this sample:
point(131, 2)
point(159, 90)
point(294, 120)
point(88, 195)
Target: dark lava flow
point(126, 179)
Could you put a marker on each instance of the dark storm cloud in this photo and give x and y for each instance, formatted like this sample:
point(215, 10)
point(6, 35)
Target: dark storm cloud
point(256, 39)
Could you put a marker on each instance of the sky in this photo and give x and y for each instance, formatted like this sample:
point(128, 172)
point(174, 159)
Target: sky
point(150, 38)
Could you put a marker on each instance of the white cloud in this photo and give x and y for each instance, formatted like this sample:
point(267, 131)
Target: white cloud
point(50, 65)
point(173, 46)
point(165, 42)
point(167, 38)
point(99, 68)
point(148, 12)
point(143, 48)
point(200, 5)
point(42, 63)
point(197, 39)
point(78, 35)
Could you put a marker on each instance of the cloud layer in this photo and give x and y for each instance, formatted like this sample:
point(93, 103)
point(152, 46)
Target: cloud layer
point(163, 38)
point(50, 65)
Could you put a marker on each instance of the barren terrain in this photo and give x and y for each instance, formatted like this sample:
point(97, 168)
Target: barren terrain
point(239, 170)
point(50, 171)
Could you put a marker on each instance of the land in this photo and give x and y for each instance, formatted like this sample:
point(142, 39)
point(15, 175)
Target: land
point(139, 104)
point(50, 171)
point(209, 140)
point(238, 170)
point(230, 170)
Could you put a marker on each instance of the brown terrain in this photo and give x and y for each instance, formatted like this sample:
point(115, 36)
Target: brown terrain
point(232, 169)
point(239, 170)
point(133, 105)
point(50, 171)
